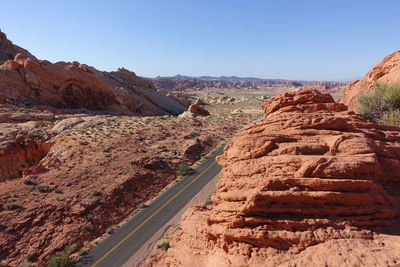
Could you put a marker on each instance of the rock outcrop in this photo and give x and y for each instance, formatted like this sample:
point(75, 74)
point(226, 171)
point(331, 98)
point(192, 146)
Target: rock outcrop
point(8, 50)
point(387, 72)
point(312, 184)
point(198, 109)
point(24, 79)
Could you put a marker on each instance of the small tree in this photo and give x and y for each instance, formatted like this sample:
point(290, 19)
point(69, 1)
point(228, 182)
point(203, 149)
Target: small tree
point(184, 169)
point(62, 259)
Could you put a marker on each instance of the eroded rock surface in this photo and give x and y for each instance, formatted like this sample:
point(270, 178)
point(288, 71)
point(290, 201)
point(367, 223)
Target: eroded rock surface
point(311, 185)
point(24, 79)
point(387, 72)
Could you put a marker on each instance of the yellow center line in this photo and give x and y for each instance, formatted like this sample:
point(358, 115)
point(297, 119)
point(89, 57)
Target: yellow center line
point(149, 218)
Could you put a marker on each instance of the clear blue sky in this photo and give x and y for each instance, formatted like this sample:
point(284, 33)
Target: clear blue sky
point(293, 39)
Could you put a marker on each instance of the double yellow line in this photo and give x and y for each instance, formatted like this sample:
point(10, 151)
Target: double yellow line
point(151, 216)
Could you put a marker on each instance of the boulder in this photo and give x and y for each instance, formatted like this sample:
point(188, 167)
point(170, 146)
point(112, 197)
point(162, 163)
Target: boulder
point(199, 110)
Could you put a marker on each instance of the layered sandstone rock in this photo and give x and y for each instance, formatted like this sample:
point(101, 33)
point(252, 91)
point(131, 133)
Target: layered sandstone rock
point(24, 79)
point(312, 184)
point(387, 72)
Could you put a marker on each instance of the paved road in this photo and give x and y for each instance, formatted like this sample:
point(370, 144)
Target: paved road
point(124, 242)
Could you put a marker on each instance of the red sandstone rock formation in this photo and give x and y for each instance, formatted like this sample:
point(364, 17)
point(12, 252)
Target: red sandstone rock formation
point(25, 79)
point(199, 110)
point(387, 71)
point(310, 185)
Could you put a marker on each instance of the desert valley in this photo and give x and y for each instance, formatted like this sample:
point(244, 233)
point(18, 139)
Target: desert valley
point(310, 169)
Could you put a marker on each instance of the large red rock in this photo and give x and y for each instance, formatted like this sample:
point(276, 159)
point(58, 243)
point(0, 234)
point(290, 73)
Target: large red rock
point(387, 71)
point(198, 110)
point(311, 185)
point(25, 79)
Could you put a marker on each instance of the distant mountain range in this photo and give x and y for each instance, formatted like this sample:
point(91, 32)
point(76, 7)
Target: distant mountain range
point(183, 83)
point(241, 79)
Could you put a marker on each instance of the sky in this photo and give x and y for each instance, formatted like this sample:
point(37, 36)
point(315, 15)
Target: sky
point(288, 39)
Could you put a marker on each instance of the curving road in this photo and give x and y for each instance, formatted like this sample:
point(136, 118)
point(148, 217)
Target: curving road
point(124, 242)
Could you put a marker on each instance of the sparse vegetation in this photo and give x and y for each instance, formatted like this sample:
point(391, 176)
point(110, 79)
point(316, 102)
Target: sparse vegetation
point(43, 188)
point(86, 228)
point(392, 118)
point(96, 194)
point(164, 245)
point(142, 206)
point(184, 169)
point(62, 259)
point(208, 201)
point(96, 200)
point(84, 143)
point(31, 257)
point(29, 182)
point(382, 104)
point(59, 191)
point(82, 251)
point(11, 206)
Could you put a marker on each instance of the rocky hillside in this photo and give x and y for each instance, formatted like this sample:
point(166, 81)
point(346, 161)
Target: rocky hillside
point(387, 71)
point(26, 80)
point(311, 185)
point(186, 83)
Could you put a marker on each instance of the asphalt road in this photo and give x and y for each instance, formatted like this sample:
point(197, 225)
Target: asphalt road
point(124, 242)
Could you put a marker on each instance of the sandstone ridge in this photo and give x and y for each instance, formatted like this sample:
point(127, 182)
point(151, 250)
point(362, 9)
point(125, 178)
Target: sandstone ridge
point(311, 184)
point(24, 79)
point(387, 72)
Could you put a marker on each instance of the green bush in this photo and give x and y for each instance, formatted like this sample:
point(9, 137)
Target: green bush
point(29, 182)
point(43, 188)
point(31, 257)
point(59, 191)
point(96, 201)
point(96, 194)
point(380, 104)
point(62, 259)
point(208, 201)
point(164, 245)
point(184, 169)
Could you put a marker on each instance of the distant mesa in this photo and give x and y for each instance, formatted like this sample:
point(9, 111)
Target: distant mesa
point(387, 72)
point(75, 86)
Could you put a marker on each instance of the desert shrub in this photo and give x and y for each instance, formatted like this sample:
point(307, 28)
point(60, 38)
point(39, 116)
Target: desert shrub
point(208, 201)
point(29, 182)
point(11, 206)
point(86, 228)
point(380, 102)
point(184, 169)
point(96, 200)
point(392, 118)
point(59, 191)
point(96, 194)
point(143, 205)
point(62, 259)
point(43, 188)
point(31, 257)
point(164, 245)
